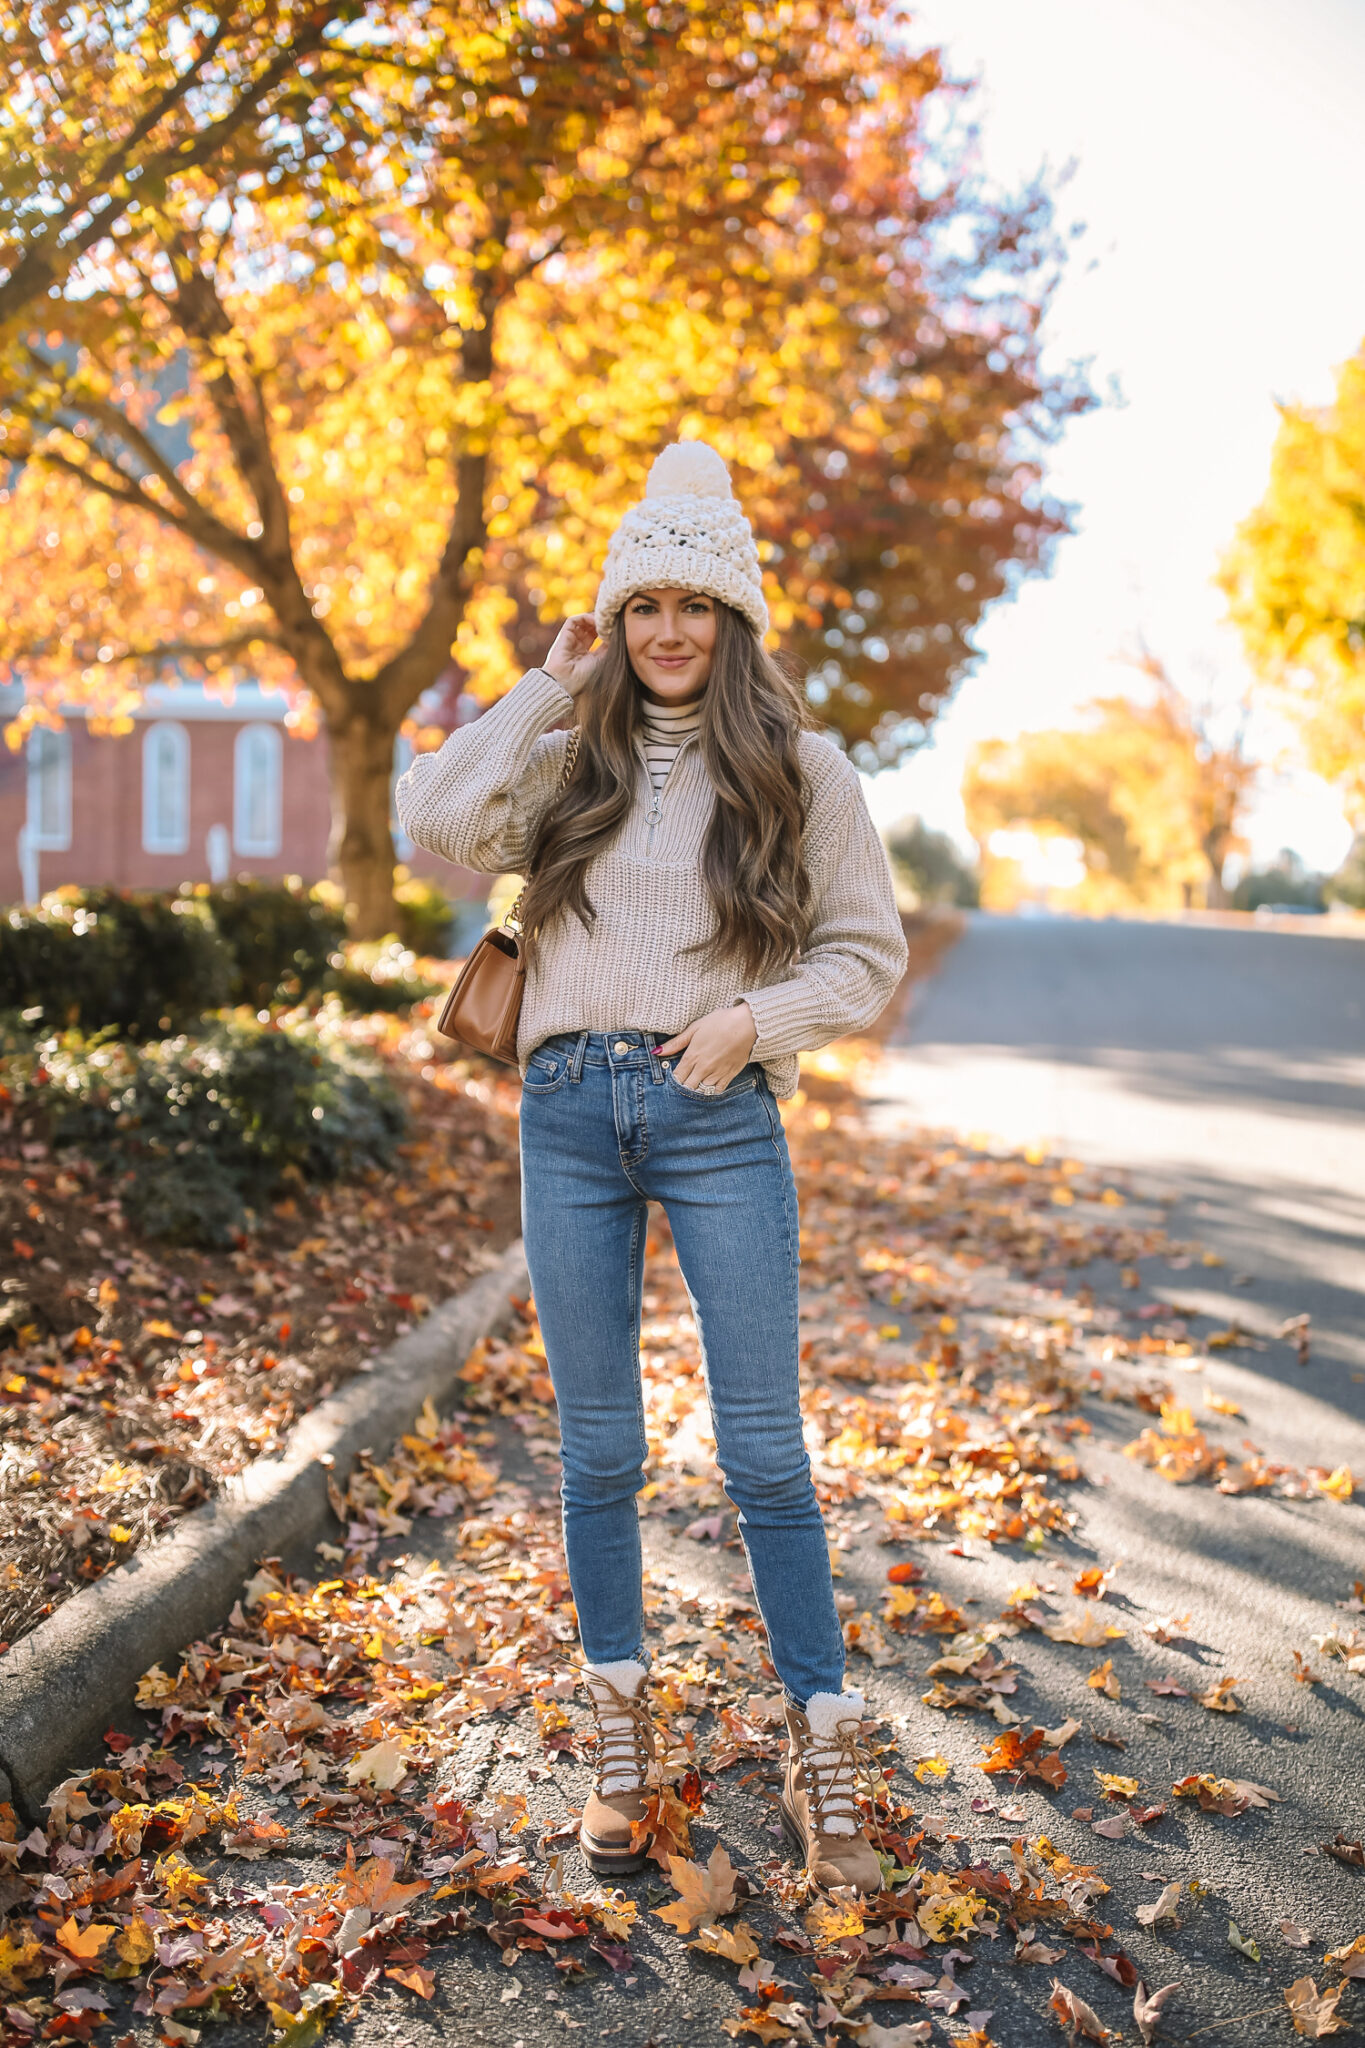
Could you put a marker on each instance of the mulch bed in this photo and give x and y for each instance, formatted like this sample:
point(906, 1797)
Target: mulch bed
point(135, 1376)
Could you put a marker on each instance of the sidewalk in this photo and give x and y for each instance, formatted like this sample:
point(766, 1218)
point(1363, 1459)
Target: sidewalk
point(381, 1822)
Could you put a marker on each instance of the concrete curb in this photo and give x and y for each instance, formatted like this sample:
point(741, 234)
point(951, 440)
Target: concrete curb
point(60, 1685)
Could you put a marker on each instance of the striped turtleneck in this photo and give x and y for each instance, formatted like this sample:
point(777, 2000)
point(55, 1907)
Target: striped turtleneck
point(666, 726)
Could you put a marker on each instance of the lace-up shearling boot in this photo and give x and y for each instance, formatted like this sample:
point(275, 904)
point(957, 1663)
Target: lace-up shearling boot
point(626, 1768)
point(819, 1807)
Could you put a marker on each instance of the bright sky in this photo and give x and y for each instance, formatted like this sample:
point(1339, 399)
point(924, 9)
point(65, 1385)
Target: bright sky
point(1220, 157)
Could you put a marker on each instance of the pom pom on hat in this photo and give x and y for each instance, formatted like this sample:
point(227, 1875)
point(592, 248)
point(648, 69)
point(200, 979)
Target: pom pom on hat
point(688, 532)
point(688, 466)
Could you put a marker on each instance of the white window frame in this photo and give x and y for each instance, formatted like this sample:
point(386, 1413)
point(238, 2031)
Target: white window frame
point(154, 838)
point(259, 846)
point(48, 756)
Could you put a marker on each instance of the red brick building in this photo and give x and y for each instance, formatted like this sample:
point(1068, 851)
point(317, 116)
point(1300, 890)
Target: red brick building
point(200, 790)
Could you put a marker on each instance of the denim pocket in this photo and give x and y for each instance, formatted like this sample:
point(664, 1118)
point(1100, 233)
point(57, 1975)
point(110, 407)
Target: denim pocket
point(545, 1071)
point(744, 1082)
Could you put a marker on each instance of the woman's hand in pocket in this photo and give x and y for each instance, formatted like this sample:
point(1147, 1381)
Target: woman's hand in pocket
point(710, 1052)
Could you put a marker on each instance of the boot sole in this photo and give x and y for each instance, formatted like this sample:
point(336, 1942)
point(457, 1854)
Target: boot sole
point(605, 1861)
point(793, 1832)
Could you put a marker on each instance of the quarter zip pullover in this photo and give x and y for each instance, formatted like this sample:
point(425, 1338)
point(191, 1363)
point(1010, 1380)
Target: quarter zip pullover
point(644, 964)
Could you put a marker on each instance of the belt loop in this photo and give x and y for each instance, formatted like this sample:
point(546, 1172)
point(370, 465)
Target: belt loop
point(656, 1065)
point(576, 1063)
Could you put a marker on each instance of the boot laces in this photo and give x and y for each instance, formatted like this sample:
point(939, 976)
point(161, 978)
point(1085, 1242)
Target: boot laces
point(625, 1738)
point(834, 1768)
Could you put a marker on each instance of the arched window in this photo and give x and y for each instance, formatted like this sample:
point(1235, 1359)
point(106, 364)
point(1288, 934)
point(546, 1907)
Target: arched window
point(257, 790)
point(49, 790)
point(166, 788)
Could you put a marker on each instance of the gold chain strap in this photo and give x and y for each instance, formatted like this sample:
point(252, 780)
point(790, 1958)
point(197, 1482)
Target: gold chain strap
point(512, 921)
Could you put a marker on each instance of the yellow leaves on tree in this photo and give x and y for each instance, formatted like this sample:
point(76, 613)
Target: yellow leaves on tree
point(356, 430)
point(1295, 580)
point(1144, 788)
point(152, 128)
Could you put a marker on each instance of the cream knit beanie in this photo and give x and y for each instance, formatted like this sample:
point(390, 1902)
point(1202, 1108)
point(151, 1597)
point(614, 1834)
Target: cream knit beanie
point(687, 533)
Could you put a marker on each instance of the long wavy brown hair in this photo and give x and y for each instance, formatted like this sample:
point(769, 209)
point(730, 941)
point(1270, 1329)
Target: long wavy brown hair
point(751, 714)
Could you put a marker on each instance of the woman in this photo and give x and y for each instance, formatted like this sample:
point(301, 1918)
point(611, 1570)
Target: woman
point(708, 899)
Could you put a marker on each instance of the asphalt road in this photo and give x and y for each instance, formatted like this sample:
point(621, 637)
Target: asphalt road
point(1224, 1067)
point(1223, 1070)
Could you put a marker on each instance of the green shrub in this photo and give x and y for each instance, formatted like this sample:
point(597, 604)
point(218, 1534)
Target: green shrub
point(199, 1131)
point(281, 937)
point(930, 864)
point(378, 975)
point(1347, 885)
point(1286, 880)
point(426, 915)
point(140, 962)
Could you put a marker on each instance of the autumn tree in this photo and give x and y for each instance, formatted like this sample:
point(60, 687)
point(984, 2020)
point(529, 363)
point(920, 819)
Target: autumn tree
point(103, 109)
point(331, 429)
point(1295, 579)
point(1154, 802)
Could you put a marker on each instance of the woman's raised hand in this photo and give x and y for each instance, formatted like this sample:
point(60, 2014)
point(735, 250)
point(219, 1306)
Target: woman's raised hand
point(570, 661)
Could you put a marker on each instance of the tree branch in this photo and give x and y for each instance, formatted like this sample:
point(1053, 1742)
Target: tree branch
point(402, 679)
point(136, 500)
point(138, 441)
point(190, 650)
point(41, 265)
point(202, 528)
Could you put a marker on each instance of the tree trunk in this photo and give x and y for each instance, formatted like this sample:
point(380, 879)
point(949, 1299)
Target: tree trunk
point(360, 852)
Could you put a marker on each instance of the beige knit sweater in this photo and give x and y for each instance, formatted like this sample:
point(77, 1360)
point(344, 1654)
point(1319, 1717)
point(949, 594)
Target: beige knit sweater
point(479, 800)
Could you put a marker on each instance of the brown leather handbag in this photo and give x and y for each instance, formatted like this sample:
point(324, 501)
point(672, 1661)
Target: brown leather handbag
point(484, 1006)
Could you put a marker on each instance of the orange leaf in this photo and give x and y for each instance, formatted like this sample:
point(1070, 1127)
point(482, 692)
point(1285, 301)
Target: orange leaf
point(705, 1894)
point(414, 1978)
point(84, 1943)
point(373, 1884)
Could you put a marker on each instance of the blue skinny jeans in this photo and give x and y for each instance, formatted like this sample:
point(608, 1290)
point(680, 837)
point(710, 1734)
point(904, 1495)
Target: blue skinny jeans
point(605, 1129)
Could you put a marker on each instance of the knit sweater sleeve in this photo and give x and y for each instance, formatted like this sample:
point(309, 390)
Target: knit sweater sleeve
point(856, 953)
point(480, 797)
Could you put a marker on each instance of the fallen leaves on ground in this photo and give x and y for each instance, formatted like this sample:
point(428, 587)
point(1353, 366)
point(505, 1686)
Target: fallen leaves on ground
point(1148, 2007)
point(1349, 1959)
point(1315, 2013)
point(1081, 2020)
point(703, 1894)
point(1346, 1644)
point(1164, 1907)
point(347, 1708)
point(1215, 1795)
point(139, 1375)
point(1102, 1679)
point(1239, 1941)
point(1220, 1698)
point(1024, 1755)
